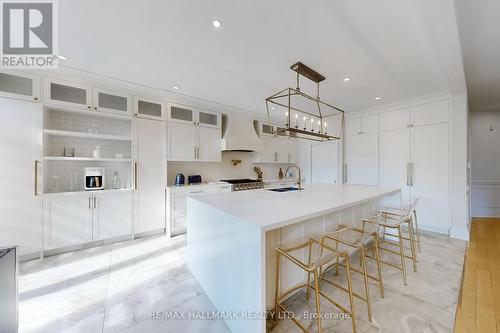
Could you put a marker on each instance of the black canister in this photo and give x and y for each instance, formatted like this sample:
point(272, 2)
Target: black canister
point(180, 179)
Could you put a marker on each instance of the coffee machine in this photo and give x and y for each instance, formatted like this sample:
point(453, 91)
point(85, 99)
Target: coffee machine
point(94, 179)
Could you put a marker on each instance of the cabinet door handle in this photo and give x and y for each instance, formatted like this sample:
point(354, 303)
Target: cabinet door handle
point(194, 192)
point(411, 174)
point(136, 185)
point(345, 172)
point(408, 174)
point(95, 202)
point(35, 185)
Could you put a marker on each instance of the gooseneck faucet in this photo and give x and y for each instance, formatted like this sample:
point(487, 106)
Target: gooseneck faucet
point(300, 175)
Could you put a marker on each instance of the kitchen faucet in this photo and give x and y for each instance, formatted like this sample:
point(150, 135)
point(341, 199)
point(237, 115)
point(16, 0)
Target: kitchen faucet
point(300, 176)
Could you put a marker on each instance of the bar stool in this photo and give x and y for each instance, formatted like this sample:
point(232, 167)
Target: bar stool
point(403, 210)
point(324, 255)
point(396, 222)
point(357, 238)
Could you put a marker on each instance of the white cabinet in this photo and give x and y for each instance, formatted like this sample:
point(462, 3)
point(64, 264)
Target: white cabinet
point(278, 150)
point(67, 220)
point(77, 218)
point(420, 115)
point(325, 162)
point(395, 164)
point(209, 144)
point(111, 101)
point(363, 125)
point(149, 108)
point(361, 159)
point(181, 142)
point(112, 214)
point(430, 113)
point(293, 151)
point(20, 205)
point(20, 85)
point(396, 119)
point(149, 175)
point(177, 204)
point(81, 96)
point(192, 141)
point(190, 115)
point(66, 93)
point(414, 156)
point(430, 175)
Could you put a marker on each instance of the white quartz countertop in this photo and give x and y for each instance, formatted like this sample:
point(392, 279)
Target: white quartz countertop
point(269, 210)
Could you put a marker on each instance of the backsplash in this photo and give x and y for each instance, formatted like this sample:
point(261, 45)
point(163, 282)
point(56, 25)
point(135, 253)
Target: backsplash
point(215, 171)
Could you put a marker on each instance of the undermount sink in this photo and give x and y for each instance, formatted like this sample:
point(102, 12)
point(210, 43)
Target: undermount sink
point(284, 189)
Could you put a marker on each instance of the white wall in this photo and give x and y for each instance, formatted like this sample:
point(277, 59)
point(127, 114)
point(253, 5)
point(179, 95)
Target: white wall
point(215, 171)
point(485, 163)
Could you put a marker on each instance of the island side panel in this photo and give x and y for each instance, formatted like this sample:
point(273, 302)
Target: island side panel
point(225, 255)
point(293, 234)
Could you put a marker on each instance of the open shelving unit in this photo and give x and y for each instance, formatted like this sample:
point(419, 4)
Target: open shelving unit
point(88, 159)
point(75, 134)
point(84, 131)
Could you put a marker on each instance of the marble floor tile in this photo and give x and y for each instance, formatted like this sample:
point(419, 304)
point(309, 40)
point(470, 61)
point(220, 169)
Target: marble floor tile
point(123, 286)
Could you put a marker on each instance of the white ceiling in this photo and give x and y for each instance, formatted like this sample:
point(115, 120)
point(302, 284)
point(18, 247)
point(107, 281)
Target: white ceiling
point(394, 49)
point(479, 26)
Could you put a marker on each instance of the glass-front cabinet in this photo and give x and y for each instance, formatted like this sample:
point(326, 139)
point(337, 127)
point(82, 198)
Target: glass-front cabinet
point(111, 101)
point(181, 114)
point(67, 93)
point(209, 118)
point(20, 86)
point(186, 114)
point(148, 108)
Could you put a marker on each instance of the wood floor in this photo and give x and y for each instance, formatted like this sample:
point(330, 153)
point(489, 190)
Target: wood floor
point(479, 305)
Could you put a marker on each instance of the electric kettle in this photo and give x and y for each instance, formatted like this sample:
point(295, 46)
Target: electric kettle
point(179, 179)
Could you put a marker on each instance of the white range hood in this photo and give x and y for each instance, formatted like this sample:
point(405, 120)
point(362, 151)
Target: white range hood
point(238, 134)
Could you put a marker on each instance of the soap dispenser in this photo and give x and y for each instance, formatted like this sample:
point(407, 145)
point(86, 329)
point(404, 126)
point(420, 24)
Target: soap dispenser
point(280, 174)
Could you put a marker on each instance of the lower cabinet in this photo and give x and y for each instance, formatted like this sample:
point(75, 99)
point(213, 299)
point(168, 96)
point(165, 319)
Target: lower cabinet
point(112, 215)
point(177, 204)
point(78, 218)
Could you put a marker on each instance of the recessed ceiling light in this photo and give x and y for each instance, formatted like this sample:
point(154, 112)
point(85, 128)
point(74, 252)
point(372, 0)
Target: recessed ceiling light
point(216, 23)
point(347, 79)
point(378, 98)
point(62, 57)
point(176, 87)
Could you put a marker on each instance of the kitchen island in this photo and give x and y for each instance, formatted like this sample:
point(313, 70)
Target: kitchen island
point(232, 236)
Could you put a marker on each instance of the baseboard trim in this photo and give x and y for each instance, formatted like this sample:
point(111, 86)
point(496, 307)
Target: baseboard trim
point(460, 233)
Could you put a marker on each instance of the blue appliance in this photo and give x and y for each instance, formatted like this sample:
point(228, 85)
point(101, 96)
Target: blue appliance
point(180, 179)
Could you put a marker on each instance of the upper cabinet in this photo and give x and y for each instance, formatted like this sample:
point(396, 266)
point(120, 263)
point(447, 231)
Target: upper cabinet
point(76, 95)
point(193, 134)
point(149, 108)
point(189, 115)
point(20, 86)
point(430, 113)
point(112, 101)
point(278, 150)
point(65, 93)
point(396, 119)
point(420, 115)
point(363, 125)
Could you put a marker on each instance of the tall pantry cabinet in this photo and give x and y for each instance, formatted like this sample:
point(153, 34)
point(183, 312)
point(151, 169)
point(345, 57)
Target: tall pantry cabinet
point(414, 155)
point(150, 171)
point(20, 201)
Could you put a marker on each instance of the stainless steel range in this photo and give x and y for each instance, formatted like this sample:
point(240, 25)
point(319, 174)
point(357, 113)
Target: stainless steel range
point(244, 184)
